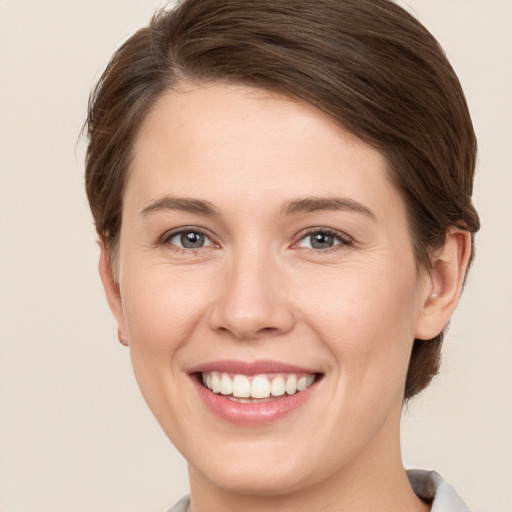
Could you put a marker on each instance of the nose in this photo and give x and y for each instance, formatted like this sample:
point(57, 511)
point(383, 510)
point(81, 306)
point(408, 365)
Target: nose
point(252, 302)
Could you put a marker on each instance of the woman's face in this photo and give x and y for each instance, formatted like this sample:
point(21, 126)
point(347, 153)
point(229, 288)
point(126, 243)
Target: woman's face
point(264, 251)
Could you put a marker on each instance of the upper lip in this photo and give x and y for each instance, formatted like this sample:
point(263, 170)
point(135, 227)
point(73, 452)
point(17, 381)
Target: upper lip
point(249, 367)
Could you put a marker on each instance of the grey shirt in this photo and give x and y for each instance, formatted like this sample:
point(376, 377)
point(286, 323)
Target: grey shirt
point(428, 485)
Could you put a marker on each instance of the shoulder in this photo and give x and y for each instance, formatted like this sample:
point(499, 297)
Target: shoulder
point(429, 486)
point(182, 505)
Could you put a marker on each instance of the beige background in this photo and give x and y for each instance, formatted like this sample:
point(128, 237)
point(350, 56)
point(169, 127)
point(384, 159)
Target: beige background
point(74, 433)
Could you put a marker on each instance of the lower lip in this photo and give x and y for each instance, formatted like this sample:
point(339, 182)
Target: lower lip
point(256, 413)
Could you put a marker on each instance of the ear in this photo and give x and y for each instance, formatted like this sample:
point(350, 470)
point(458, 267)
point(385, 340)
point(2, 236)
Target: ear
point(444, 284)
point(112, 293)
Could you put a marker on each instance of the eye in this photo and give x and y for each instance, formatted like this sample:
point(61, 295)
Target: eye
point(323, 239)
point(188, 239)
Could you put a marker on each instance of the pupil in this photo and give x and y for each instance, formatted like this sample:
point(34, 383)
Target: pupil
point(322, 241)
point(192, 240)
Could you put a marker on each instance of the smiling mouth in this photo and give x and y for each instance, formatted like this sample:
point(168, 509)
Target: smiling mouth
point(256, 388)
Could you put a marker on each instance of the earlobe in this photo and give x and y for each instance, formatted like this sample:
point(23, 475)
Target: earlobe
point(112, 293)
point(445, 282)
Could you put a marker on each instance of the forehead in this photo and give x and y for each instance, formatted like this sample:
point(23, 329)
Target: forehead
point(227, 143)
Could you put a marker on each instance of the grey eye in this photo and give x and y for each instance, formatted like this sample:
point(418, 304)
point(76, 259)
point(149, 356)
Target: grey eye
point(189, 239)
point(323, 239)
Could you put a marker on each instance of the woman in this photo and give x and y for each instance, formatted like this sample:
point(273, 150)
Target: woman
point(282, 193)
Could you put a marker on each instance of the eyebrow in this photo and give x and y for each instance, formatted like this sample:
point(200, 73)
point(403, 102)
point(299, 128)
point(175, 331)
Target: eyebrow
point(313, 204)
point(184, 204)
point(292, 207)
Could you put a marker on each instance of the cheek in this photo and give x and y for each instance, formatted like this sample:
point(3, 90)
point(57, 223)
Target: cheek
point(366, 318)
point(160, 309)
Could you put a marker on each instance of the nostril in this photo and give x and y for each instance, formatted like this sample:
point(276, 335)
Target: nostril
point(265, 330)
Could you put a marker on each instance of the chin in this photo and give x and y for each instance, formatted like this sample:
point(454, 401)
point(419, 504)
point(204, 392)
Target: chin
point(259, 468)
point(253, 479)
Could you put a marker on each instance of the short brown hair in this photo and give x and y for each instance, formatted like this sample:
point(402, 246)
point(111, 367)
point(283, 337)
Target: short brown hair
point(367, 63)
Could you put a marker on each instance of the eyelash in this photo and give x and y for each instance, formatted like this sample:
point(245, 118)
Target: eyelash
point(341, 240)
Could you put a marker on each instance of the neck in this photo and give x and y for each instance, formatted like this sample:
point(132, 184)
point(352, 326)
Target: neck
point(375, 481)
point(396, 496)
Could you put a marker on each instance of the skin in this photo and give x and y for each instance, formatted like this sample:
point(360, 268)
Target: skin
point(258, 290)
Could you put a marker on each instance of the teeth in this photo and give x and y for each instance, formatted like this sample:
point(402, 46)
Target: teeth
point(241, 386)
point(226, 385)
point(291, 384)
point(260, 386)
point(215, 382)
point(278, 386)
point(301, 384)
